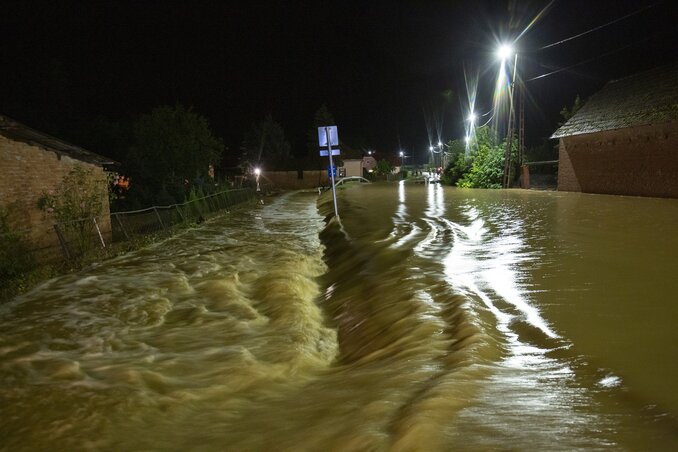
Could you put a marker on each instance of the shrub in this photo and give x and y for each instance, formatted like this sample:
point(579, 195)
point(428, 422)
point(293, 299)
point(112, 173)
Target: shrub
point(79, 197)
point(15, 255)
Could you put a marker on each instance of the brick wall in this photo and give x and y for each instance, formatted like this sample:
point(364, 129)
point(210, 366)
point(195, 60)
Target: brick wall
point(27, 171)
point(638, 161)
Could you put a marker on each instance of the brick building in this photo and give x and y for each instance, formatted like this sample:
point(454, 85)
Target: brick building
point(624, 140)
point(31, 163)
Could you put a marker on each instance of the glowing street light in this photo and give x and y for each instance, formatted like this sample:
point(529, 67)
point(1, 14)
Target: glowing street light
point(504, 52)
point(257, 172)
point(472, 118)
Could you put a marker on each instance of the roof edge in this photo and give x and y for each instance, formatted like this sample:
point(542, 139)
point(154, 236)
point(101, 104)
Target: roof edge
point(17, 131)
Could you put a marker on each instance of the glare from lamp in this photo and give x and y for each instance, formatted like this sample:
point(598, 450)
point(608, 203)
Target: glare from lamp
point(505, 51)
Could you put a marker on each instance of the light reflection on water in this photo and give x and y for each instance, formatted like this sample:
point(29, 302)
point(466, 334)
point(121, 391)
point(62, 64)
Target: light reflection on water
point(436, 319)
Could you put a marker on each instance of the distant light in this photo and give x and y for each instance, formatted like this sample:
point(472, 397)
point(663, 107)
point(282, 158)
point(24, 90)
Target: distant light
point(369, 152)
point(472, 117)
point(430, 148)
point(505, 51)
point(401, 153)
point(257, 171)
point(440, 143)
point(467, 139)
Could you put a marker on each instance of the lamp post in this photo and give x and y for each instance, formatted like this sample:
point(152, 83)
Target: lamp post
point(504, 53)
point(471, 129)
point(443, 156)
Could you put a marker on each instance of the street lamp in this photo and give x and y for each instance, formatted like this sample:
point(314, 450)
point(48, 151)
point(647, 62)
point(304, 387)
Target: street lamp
point(504, 53)
point(402, 159)
point(257, 173)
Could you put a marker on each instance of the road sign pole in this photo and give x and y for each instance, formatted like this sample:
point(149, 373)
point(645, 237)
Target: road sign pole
point(329, 153)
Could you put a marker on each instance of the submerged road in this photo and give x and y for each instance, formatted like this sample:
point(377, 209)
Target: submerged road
point(431, 318)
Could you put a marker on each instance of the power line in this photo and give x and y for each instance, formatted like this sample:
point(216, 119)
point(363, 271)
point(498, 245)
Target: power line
point(601, 26)
point(597, 56)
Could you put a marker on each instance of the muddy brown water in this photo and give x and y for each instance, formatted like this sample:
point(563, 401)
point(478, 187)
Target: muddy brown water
point(429, 318)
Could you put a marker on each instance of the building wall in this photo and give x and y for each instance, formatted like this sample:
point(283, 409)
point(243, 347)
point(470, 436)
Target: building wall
point(26, 172)
point(638, 161)
point(353, 167)
point(289, 180)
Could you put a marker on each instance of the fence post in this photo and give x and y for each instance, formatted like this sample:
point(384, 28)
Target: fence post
point(162, 225)
point(122, 227)
point(181, 215)
point(101, 237)
point(62, 241)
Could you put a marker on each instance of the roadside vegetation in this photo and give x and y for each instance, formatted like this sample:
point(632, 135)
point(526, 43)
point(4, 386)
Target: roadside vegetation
point(480, 164)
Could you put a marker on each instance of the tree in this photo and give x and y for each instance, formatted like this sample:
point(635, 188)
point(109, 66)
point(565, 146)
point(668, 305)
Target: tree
point(459, 163)
point(173, 149)
point(487, 154)
point(384, 167)
point(566, 113)
point(265, 144)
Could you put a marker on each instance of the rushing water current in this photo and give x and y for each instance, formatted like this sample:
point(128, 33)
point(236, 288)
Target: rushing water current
point(429, 318)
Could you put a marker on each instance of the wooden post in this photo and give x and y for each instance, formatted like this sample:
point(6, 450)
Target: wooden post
point(155, 209)
point(124, 231)
point(181, 215)
point(101, 237)
point(525, 177)
point(62, 241)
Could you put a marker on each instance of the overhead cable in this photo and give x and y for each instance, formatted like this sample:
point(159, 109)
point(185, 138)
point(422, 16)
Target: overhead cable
point(601, 26)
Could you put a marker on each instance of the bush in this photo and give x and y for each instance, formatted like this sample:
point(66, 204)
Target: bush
point(486, 169)
point(81, 196)
point(15, 255)
point(459, 165)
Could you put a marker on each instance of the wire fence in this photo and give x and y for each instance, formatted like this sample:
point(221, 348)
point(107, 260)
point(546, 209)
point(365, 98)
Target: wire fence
point(72, 240)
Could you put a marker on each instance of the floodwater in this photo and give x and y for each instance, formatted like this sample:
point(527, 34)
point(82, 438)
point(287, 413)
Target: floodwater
point(430, 318)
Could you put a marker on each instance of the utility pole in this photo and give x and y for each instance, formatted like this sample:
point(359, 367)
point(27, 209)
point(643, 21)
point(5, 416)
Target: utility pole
point(509, 138)
point(521, 129)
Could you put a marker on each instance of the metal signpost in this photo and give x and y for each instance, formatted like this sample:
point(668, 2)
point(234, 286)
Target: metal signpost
point(328, 139)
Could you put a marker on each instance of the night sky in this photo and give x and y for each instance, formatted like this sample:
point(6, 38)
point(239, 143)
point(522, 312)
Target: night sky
point(377, 65)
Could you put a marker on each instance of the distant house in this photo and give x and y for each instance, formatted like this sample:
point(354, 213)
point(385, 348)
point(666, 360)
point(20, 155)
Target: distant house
point(31, 163)
point(624, 140)
point(369, 163)
point(355, 164)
